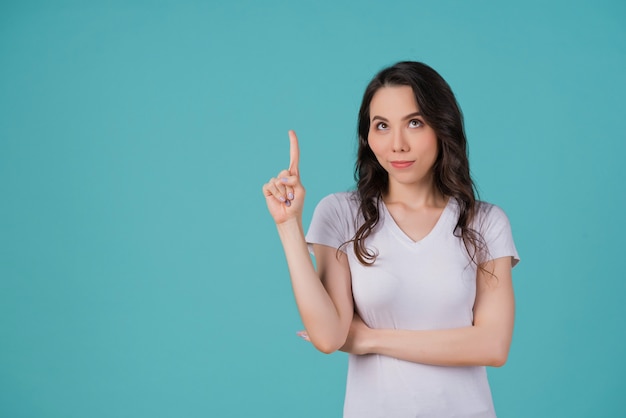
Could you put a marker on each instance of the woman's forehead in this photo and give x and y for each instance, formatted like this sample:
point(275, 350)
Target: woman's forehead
point(394, 101)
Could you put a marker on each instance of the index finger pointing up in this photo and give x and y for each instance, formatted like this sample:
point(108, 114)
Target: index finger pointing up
point(294, 154)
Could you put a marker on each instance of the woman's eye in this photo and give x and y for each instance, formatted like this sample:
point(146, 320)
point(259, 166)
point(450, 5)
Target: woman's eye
point(381, 125)
point(415, 123)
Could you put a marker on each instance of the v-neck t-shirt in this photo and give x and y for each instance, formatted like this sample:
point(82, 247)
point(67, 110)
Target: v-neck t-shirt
point(413, 285)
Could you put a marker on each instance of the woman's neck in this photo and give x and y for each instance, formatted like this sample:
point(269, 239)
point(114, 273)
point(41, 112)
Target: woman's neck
point(414, 195)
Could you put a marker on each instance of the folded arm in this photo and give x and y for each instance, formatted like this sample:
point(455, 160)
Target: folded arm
point(485, 343)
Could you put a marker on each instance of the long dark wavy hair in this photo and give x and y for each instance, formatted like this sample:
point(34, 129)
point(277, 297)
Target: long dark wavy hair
point(451, 171)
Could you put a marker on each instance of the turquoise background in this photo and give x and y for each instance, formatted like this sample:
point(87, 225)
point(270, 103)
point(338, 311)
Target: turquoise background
point(140, 274)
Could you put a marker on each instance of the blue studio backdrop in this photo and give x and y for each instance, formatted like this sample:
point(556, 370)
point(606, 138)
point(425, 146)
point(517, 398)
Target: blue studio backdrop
point(140, 274)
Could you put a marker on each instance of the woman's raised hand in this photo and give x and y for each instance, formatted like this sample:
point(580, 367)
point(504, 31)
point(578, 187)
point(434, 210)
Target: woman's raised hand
point(284, 193)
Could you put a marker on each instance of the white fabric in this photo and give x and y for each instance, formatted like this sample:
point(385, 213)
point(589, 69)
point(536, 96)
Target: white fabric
point(429, 284)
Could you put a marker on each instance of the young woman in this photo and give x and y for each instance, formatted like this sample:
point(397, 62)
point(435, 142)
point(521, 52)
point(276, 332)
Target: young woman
point(413, 273)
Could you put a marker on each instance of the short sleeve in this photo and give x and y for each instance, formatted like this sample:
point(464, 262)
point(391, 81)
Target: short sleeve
point(330, 224)
point(496, 230)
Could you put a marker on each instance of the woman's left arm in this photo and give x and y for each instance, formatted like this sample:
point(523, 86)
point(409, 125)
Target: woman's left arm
point(485, 343)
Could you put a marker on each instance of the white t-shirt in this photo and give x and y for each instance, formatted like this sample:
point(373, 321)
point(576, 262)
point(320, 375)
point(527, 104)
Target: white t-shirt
point(429, 284)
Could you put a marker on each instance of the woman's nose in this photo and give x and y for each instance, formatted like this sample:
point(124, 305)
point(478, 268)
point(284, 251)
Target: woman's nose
point(399, 142)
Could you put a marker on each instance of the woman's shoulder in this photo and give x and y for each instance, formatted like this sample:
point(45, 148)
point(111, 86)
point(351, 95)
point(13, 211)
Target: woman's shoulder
point(494, 226)
point(334, 217)
point(485, 213)
point(343, 206)
point(490, 219)
point(489, 210)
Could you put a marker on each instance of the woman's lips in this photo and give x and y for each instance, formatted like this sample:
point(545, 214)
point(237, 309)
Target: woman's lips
point(401, 164)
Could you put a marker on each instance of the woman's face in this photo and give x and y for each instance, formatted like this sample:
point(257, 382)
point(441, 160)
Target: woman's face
point(401, 140)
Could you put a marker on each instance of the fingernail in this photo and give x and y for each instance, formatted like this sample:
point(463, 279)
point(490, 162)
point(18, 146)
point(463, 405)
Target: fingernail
point(284, 179)
point(287, 203)
point(282, 199)
point(290, 196)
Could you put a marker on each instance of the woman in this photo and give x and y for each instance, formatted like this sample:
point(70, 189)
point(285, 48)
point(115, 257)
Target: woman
point(413, 274)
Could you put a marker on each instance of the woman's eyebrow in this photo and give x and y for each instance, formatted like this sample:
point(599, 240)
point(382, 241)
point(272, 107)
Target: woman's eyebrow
point(412, 115)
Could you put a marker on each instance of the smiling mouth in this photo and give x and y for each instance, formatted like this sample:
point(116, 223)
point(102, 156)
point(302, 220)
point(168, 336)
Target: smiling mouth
point(401, 164)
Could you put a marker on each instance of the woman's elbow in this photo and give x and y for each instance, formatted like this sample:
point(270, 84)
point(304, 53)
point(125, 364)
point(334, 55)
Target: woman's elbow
point(498, 361)
point(327, 345)
point(498, 355)
point(326, 349)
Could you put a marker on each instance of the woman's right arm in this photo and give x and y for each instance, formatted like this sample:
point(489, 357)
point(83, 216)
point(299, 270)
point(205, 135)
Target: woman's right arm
point(323, 297)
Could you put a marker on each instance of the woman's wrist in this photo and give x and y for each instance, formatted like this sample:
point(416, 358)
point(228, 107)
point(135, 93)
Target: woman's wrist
point(290, 225)
point(371, 339)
